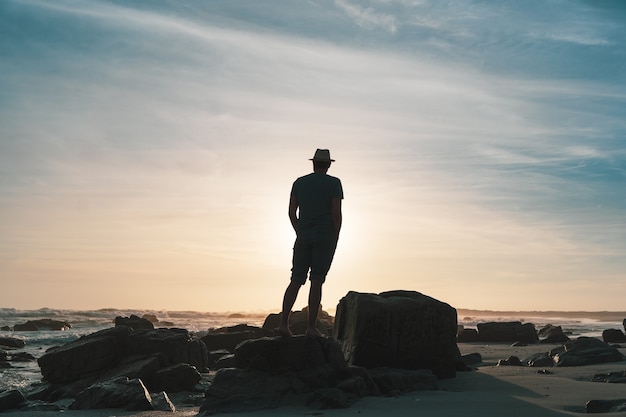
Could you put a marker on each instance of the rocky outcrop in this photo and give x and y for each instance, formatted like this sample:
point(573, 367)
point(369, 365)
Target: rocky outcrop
point(124, 352)
point(397, 329)
point(274, 371)
point(118, 393)
point(42, 324)
point(11, 399)
point(512, 331)
point(605, 406)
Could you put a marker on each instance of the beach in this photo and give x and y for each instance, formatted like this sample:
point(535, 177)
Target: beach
point(488, 390)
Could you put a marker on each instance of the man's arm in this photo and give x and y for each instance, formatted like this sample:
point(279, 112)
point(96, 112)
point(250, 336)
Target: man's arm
point(293, 217)
point(337, 216)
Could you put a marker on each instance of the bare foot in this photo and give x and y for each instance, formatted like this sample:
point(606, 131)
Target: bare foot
point(284, 332)
point(313, 333)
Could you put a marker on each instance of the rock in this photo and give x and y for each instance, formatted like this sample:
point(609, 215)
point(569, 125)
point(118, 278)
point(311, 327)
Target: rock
point(586, 351)
point(397, 381)
point(216, 355)
point(397, 329)
point(467, 336)
point(176, 378)
point(118, 350)
point(298, 322)
point(279, 354)
point(624, 324)
point(613, 336)
point(510, 361)
point(605, 406)
point(229, 337)
point(540, 360)
point(12, 342)
point(134, 322)
point(152, 318)
point(299, 370)
point(161, 402)
point(117, 393)
point(22, 357)
point(10, 400)
point(552, 334)
point(472, 358)
point(512, 331)
point(6, 329)
point(42, 324)
point(87, 356)
point(226, 361)
point(611, 377)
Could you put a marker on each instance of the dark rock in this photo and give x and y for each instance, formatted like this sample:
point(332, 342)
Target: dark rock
point(397, 329)
point(42, 324)
point(215, 355)
point(396, 381)
point(4, 365)
point(133, 367)
point(552, 334)
point(176, 346)
point(134, 322)
point(22, 357)
point(512, 331)
point(280, 354)
point(540, 360)
point(299, 370)
point(152, 318)
point(117, 393)
point(87, 356)
point(611, 377)
point(467, 336)
point(510, 361)
point(6, 329)
point(624, 324)
point(176, 378)
point(613, 336)
point(10, 400)
point(12, 342)
point(544, 372)
point(471, 359)
point(34, 406)
point(605, 406)
point(228, 340)
point(298, 322)
point(161, 402)
point(586, 351)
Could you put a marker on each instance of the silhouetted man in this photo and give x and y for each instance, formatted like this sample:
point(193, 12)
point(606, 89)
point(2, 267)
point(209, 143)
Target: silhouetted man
point(315, 214)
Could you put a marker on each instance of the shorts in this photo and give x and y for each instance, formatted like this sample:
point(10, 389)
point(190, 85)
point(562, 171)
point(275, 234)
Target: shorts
point(313, 251)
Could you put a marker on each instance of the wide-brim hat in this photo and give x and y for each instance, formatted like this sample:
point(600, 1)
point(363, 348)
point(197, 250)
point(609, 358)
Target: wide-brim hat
point(322, 155)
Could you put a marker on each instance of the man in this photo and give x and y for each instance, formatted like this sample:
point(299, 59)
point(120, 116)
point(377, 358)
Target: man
point(315, 214)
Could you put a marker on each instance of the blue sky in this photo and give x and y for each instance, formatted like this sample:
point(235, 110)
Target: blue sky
point(151, 146)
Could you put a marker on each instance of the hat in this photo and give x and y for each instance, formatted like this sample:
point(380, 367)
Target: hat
point(322, 155)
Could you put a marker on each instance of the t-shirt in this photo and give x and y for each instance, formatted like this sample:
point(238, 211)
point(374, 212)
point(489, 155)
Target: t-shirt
point(314, 193)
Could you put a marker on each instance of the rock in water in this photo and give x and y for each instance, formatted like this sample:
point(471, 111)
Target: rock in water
point(398, 329)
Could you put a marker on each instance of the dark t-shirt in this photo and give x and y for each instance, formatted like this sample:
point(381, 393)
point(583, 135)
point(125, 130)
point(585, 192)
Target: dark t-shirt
point(314, 193)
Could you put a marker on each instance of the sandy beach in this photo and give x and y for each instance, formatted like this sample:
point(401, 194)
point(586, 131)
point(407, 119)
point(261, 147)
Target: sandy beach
point(489, 390)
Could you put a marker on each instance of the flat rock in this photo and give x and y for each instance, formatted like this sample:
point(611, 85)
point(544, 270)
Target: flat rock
point(42, 324)
point(586, 351)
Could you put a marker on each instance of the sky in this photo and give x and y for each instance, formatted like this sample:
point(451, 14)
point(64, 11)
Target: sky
point(147, 150)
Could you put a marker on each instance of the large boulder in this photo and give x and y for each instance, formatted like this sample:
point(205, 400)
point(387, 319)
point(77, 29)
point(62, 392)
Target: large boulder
point(42, 324)
point(585, 351)
point(511, 331)
point(11, 399)
point(552, 334)
point(613, 336)
point(300, 370)
point(397, 329)
point(123, 352)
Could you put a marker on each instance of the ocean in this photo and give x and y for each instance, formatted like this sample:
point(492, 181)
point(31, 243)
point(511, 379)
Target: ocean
point(23, 374)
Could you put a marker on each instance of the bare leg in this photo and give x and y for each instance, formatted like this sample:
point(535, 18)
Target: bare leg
point(315, 298)
point(291, 293)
